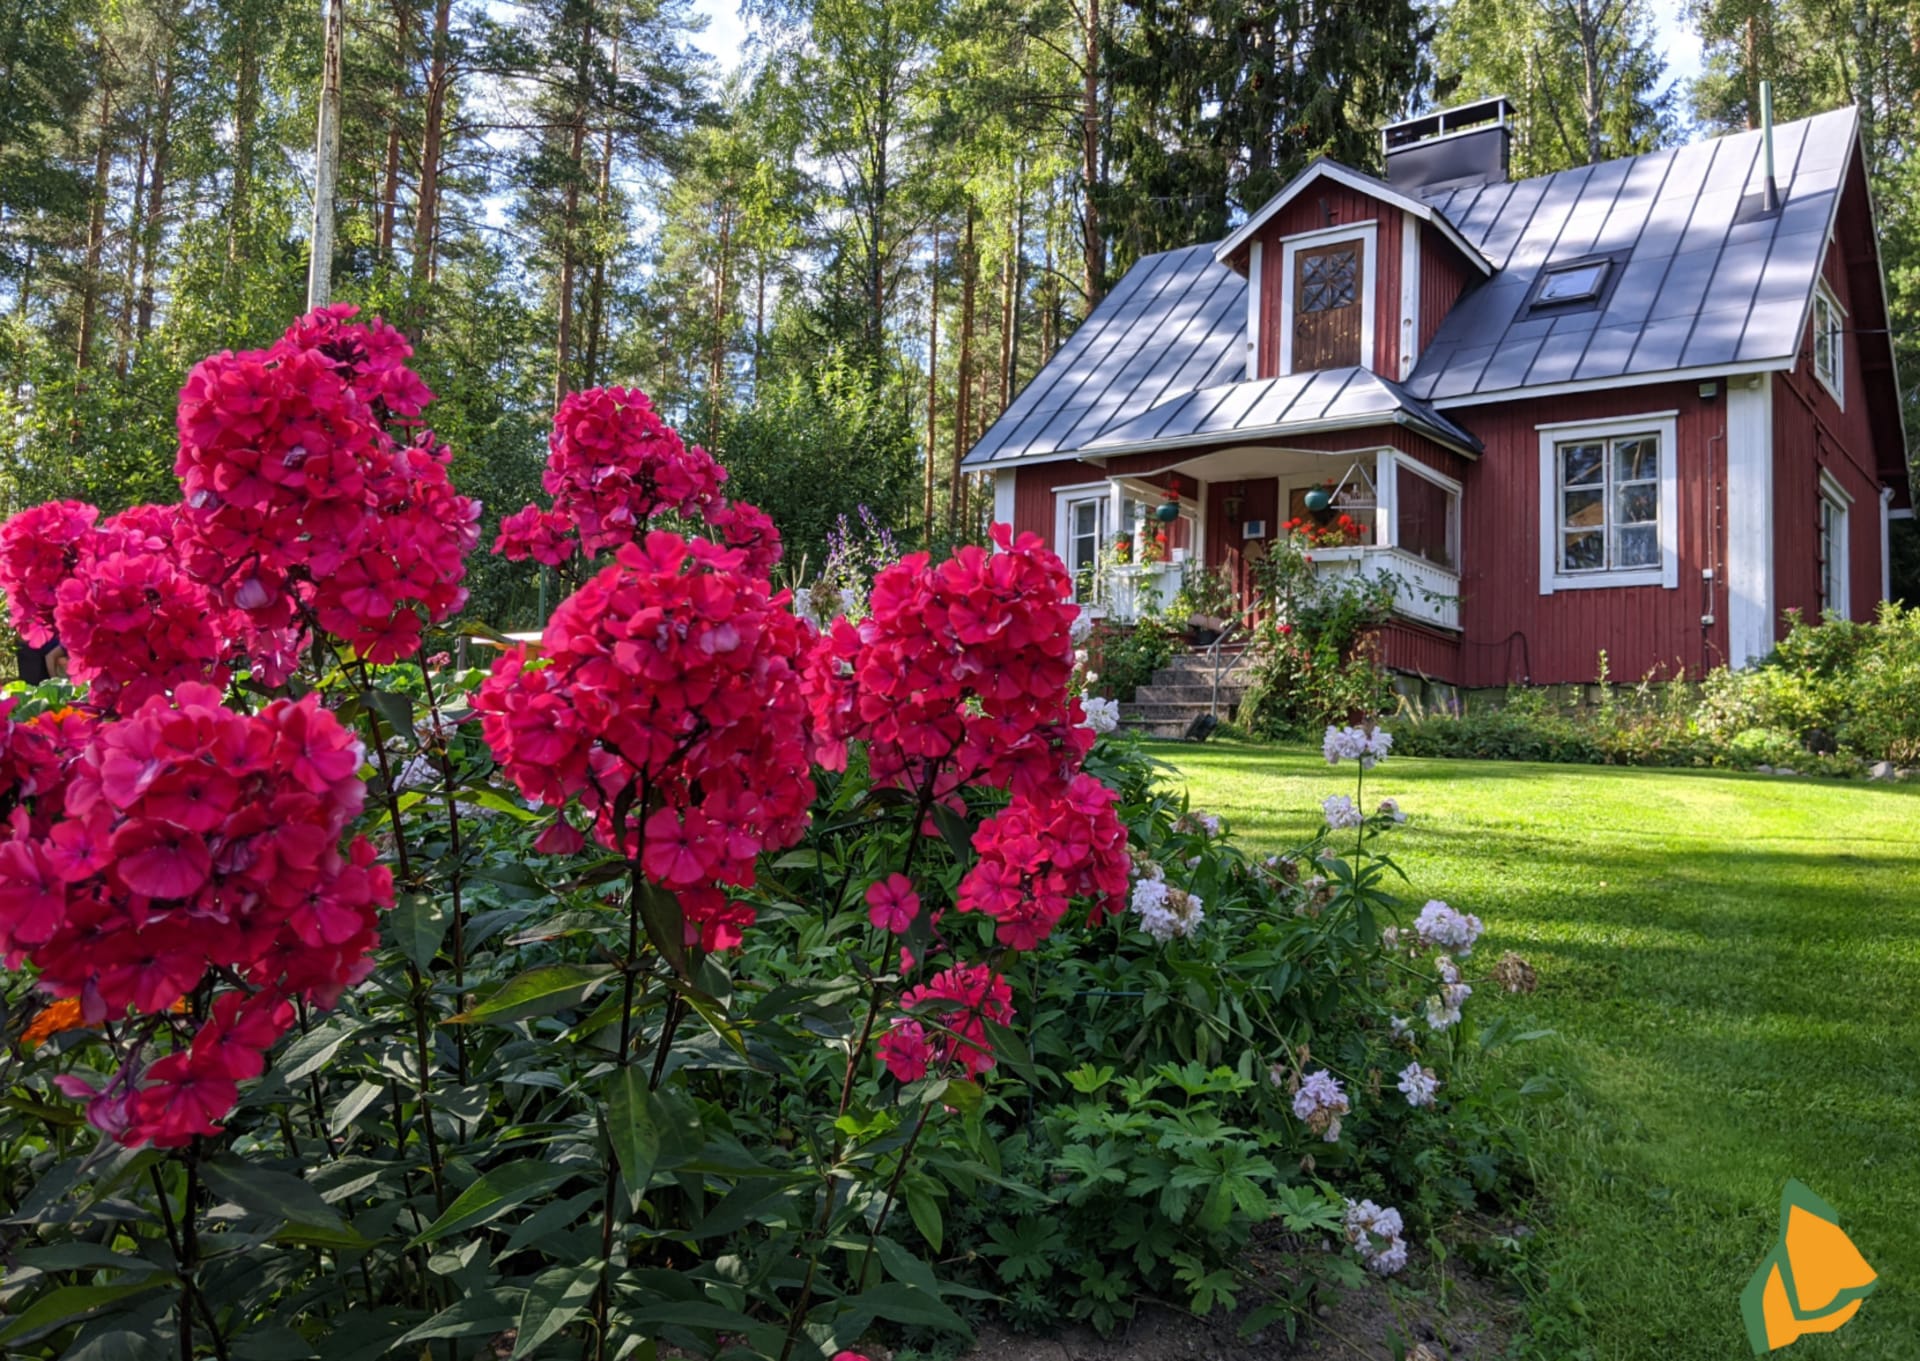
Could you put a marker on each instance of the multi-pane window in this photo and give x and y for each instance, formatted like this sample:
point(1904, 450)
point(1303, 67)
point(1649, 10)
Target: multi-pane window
point(1828, 331)
point(1575, 283)
point(1609, 503)
point(1833, 550)
point(1086, 534)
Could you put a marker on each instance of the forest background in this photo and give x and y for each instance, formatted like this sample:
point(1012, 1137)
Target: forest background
point(833, 238)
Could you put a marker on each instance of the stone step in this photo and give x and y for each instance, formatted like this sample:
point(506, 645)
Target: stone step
point(1170, 730)
point(1183, 673)
point(1187, 692)
point(1181, 710)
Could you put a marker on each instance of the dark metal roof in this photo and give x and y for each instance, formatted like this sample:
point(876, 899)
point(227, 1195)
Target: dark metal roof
point(1325, 399)
point(1174, 324)
point(1703, 283)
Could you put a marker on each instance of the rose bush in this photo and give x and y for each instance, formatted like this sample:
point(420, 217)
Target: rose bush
point(696, 977)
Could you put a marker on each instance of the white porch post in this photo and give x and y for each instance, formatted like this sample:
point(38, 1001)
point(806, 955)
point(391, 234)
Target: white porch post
point(1750, 579)
point(1003, 485)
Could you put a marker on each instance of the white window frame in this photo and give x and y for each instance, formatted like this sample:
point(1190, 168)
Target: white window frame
point(1664, 426)
point(1388, 466)
point(1064, 499)
point(1836, 328)
point(1834, 497)
point(1367, 232)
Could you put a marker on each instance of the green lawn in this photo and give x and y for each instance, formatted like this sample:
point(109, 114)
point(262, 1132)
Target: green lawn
point(1732, 967)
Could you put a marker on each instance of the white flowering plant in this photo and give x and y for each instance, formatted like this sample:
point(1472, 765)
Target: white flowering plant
point(1249, 1048)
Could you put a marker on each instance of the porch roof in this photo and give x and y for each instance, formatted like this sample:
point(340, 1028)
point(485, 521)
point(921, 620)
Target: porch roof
point(1293, 404)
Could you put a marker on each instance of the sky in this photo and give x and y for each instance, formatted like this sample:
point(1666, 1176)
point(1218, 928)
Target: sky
point(725, 35)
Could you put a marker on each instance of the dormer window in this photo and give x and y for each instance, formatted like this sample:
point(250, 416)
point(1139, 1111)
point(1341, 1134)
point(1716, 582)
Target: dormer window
point(1326, 301)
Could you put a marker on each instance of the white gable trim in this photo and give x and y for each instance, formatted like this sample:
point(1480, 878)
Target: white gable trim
point(1363, 184)
point(1409, 293)
point(1253, 310)
point(1749, 521)
point(1367, 232)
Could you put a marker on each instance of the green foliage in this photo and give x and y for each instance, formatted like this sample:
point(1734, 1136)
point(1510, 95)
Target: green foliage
point(1314, 661)
point(822, 438)
point(1831, 698)
point(1122, 659)
point(1158, 1132)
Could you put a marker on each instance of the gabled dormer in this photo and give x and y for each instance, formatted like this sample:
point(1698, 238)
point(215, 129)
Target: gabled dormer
point(1346, 270)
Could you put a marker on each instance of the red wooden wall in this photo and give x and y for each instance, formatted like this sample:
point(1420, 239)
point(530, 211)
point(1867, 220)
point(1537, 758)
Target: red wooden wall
point(1510, 631)
point(1812, 432)
point(1443, 278)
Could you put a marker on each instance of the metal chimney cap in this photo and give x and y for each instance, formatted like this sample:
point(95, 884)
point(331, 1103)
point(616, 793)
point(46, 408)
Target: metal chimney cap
point(1440, 123)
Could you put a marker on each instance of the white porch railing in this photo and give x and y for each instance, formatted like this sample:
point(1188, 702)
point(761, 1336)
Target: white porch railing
point(1131, 591)
point(1422, 590)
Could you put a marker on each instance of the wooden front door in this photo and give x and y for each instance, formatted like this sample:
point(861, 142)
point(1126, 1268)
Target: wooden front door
point(1326, 305)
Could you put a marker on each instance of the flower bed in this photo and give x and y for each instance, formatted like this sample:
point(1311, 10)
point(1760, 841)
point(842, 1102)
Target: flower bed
point(699, 976)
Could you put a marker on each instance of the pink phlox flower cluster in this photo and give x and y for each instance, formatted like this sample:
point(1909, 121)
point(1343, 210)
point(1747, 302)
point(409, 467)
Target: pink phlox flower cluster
point(1165, 910)
point(955, 1030)
point(1320, 1103)
point(670, 706)
point(310, 496)
point(958, 675)
point(613, 464)
point(1041, 853)
point(1374, 1232)
point(195, 846)
point(40, 548)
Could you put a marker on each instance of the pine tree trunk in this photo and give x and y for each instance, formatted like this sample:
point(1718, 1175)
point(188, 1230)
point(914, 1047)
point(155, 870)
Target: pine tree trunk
point(1010, 295)
point(1590, 71)
point(717, 332)
point(569, 221)
point(597, 286)
point(759, 317)
point(96, 229)
point(963, 394)
point(1753, 69)
point(130, 273)
point(933, 380)
point(1093, 245)
point(426, 218)
point(246, 113)
point(390, 179)
point(153, 224)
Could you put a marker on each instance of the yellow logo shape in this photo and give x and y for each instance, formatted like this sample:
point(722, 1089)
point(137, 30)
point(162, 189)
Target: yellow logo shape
point(1812, 1281)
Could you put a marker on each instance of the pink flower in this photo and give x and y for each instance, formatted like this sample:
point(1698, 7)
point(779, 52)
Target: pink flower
point(892, 904)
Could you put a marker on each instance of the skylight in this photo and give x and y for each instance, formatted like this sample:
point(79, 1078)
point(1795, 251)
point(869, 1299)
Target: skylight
point(1573, 283)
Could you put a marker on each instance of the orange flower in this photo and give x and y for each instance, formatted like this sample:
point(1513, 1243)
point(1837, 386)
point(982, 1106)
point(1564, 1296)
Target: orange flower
point(51, 1020)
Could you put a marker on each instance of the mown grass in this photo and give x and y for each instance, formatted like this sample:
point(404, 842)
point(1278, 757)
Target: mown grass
point(1731, 964)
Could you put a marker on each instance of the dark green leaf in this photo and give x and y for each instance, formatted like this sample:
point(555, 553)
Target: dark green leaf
point(417, 924)
point(666, 926)
point(493, 1195)
point(539, 992)
point(556, 1298)
point(71, 1303)
point(955, 830)
point(636, 1141)
point(272, 1195)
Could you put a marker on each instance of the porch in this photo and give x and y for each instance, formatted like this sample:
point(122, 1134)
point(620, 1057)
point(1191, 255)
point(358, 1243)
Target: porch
point(1200, 527)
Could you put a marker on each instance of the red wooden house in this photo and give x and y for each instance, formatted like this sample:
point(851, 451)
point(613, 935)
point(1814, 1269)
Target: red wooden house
point(1642, 407)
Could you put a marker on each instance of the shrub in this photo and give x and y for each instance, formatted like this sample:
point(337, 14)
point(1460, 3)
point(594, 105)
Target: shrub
point(1314, 660)
point(1122, 659)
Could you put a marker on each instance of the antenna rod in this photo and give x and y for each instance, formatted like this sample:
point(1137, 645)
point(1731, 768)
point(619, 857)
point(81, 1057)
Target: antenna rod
point(1771, 202)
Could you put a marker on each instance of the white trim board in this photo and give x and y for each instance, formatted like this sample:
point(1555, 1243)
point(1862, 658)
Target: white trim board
point(1667, 574)
point(1378, 190)
point(1750, 576)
